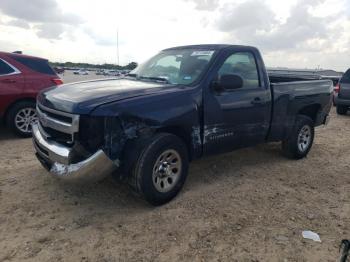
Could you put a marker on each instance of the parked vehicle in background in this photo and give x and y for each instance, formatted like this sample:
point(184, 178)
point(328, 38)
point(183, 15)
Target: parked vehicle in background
point(105, 72)
point(113, 73)
point(21, 78)
point(81, 72)
point(184, 103)
point(59, 70)
point(99, 72)
point(342, 94)
point(125, 72)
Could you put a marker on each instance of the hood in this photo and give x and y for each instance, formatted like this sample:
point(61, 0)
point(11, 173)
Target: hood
point(83, 97)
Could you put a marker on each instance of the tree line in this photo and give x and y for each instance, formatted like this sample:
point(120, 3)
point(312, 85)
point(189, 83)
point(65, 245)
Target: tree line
point(129, 66)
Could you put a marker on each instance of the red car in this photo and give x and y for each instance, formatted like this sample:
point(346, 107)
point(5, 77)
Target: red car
point(21, 78)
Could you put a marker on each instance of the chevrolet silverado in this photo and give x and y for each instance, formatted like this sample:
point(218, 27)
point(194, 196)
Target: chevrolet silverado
point(184, 103)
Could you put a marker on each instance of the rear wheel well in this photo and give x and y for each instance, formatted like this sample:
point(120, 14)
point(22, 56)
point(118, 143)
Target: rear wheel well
point(181, 133)
point(310, 111)
point(14, 103)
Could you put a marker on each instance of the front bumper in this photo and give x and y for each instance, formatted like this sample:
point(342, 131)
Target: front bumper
point(57, 158)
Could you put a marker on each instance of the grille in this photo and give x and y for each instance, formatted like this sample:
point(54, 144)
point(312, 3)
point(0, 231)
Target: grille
point(56, 125)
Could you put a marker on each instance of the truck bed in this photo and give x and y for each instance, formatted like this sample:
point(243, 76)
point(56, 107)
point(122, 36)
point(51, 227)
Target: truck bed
point(287, 76)
point(290, 97)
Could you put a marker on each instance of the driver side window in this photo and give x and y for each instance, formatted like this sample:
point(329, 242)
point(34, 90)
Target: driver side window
point(244, 65)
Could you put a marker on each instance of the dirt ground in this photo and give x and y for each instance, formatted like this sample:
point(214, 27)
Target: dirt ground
point(249, 205)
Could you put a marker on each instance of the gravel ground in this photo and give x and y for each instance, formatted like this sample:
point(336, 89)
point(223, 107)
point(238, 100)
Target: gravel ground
point(249, 205)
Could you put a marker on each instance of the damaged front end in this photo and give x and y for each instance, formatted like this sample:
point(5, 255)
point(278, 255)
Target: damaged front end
point(83, 148)
point(59, 160)
point(70, 146)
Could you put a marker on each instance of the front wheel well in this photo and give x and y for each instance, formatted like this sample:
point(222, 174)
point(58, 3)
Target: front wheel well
point(310, 111)
point(181, 133)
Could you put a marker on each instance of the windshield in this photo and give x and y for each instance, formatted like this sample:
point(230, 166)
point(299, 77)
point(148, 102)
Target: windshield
point(178, 66)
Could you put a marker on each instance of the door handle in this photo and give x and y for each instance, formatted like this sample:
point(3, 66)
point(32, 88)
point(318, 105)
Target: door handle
point(257, 101)
point(8, 81)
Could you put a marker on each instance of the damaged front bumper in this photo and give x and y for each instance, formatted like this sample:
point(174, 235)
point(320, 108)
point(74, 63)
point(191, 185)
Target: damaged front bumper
point(57, 159)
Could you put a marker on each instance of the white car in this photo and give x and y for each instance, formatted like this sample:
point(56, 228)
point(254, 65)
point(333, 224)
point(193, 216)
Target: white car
point(113, 73)
point(81, 72)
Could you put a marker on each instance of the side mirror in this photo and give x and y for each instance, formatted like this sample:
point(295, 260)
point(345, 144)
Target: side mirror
point(228, 82)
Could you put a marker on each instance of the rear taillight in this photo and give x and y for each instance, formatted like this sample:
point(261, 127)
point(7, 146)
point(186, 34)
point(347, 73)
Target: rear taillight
point(57, 81)
point(337, 88)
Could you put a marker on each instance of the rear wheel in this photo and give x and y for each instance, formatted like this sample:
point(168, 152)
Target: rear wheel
point(300, 140)
point(21, 117)
point(341, 110)
point(161, 169)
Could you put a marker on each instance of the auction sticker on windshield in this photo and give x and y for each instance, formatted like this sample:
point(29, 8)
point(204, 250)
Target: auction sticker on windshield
point(202, 53)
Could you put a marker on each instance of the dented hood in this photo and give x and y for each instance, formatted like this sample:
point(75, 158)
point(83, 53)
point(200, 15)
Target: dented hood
point(83, 97)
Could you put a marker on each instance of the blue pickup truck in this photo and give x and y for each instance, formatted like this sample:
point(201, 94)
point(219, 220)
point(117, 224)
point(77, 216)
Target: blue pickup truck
point(182, 104)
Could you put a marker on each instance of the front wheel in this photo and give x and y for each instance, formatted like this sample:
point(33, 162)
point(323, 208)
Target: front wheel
point(161, 169)
point(20, 118)
point(300, 140)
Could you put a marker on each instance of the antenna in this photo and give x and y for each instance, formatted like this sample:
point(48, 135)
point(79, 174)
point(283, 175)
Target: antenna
point(118, 46)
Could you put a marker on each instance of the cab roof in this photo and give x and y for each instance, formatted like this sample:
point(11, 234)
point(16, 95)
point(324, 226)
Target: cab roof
point(208, 46)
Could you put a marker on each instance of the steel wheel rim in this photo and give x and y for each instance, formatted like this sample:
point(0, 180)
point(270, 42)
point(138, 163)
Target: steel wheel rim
point(25, 118)
point(304, 138)
point(167, 170)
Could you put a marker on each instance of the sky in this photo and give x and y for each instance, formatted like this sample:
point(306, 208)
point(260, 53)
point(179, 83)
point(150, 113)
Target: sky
point(290, 33)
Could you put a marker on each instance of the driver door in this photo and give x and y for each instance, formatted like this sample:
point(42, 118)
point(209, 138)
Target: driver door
point(239, 117)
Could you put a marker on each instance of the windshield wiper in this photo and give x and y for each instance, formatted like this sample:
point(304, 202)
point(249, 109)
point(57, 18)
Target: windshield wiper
point(155, 78)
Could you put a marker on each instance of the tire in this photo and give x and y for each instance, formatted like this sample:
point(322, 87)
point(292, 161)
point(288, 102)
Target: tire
point(22, 111)
point(300, 140)
point(341, 110)
point(155, 179)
